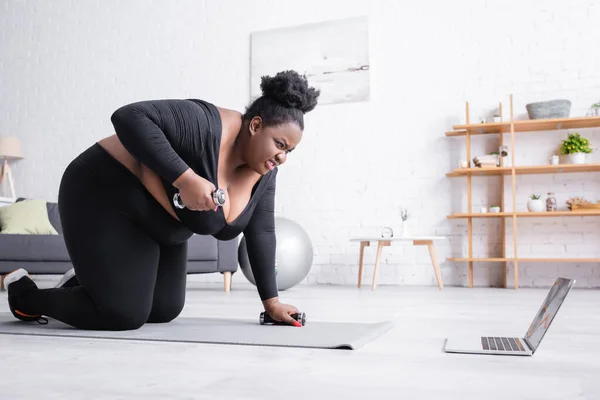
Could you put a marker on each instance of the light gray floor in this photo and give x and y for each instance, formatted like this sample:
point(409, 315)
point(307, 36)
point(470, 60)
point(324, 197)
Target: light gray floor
point(407, 362)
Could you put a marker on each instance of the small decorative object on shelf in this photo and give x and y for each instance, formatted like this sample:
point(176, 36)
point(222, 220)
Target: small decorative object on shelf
point(560, 108)
point(594, 110)
point(404, 217)
point(503, 150)
point(495, 209)
point(577, 202)
point(576, 147)
point(404, 214)
point(587, 207)
point(551, 202)
point(535, 204)
point(486, 161)
point(554, 159)
point(387, 232)
point(497, 118)
point(483, 210)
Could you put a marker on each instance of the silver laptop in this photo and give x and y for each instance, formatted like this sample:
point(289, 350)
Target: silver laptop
point(525, 346)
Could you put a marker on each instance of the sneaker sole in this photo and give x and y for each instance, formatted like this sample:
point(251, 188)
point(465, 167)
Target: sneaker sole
point(14, 276)
point(8, 280)
point(29, 317)
point(68, 275)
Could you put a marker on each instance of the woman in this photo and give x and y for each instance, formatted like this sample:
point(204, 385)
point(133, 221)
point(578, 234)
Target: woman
point(129, 203)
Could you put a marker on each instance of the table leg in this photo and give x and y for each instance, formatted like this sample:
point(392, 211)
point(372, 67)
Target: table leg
point(380, 246)
point(436, 267)
point(361, 258)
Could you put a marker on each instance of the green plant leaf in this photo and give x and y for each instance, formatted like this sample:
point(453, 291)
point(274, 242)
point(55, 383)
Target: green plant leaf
point(575, 144)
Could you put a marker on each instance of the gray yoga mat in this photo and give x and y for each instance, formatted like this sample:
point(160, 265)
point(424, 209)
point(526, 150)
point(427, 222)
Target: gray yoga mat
point(315, 334)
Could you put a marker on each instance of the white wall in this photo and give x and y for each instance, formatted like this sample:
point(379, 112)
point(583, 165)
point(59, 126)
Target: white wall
point(67, 65)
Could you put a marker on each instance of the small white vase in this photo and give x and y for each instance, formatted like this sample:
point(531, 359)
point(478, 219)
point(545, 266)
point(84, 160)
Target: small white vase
point(536, 205)
point(577, 158)
point(404, 231)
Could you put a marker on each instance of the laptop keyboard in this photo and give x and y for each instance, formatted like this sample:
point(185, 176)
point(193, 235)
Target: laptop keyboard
point(501, 343)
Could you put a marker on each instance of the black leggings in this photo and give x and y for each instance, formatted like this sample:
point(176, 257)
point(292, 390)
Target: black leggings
point(129, 254)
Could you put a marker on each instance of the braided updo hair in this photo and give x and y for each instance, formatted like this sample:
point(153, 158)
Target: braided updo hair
point(286, 97)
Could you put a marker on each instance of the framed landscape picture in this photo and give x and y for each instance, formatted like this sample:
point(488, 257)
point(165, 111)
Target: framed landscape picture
point(333, 55)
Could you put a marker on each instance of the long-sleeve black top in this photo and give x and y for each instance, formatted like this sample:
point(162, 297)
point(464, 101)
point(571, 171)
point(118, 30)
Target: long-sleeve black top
point(170, 136)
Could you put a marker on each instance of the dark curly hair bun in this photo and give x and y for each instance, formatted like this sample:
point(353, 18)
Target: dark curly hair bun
point(290, 89)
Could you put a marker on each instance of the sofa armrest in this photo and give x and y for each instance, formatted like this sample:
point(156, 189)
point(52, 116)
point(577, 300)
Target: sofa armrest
point(228, 255)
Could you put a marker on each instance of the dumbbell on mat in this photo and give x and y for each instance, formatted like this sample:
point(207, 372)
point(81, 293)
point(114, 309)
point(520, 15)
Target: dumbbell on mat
point(265, 319)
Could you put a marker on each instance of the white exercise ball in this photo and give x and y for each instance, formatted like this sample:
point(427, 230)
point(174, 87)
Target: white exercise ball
point(293, 254)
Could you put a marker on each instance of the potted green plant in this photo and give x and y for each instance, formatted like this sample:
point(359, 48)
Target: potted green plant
point(535, 204)
point(576, 147)
point(495, 209)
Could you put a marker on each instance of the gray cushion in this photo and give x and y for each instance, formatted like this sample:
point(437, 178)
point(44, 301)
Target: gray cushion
point(54, 217)
point(201, 247)
point(33, 248)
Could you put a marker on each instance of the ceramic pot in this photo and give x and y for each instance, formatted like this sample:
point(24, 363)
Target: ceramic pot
point(577, 158)
point(536, 205)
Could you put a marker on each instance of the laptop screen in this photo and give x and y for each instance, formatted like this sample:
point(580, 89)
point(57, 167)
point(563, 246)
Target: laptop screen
point(546, 314)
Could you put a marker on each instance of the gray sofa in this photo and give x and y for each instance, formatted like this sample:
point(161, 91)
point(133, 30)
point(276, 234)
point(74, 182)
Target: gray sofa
point(47, 254)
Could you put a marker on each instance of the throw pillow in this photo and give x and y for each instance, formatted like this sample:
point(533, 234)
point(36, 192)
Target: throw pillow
point(26, 217)
point(53, 214)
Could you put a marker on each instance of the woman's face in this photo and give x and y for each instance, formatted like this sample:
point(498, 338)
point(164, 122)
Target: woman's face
point(269, 146)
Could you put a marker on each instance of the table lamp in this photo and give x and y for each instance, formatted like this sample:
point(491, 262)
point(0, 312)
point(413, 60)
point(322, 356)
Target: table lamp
point(10, 149)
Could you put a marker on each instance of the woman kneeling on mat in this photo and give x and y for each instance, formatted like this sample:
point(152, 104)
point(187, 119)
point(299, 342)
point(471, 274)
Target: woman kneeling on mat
point(129, 203)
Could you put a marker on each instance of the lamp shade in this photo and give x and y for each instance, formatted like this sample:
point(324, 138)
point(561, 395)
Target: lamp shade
point(10, 148)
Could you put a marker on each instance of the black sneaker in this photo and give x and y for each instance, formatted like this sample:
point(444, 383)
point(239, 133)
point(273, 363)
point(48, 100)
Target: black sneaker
point(18, 283)
point(68, 280)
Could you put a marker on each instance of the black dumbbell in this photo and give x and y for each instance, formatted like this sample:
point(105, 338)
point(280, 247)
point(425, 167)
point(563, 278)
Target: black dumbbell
point(265, 319)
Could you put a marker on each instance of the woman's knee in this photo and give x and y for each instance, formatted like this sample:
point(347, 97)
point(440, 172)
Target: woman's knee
point(165, 311)
point(124, 319)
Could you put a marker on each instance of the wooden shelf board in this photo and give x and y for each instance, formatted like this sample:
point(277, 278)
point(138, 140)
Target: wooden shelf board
point(480, 129)
point(525, 259)
point(480, 215)
point(556, 123)
point(456, 133)
point(480, 171)
point(459, 259)
point(567, 260)
point(527, 169)
point(528, 214)
point(529, 125)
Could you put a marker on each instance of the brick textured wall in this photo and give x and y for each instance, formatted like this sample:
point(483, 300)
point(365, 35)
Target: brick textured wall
point(66, 65)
